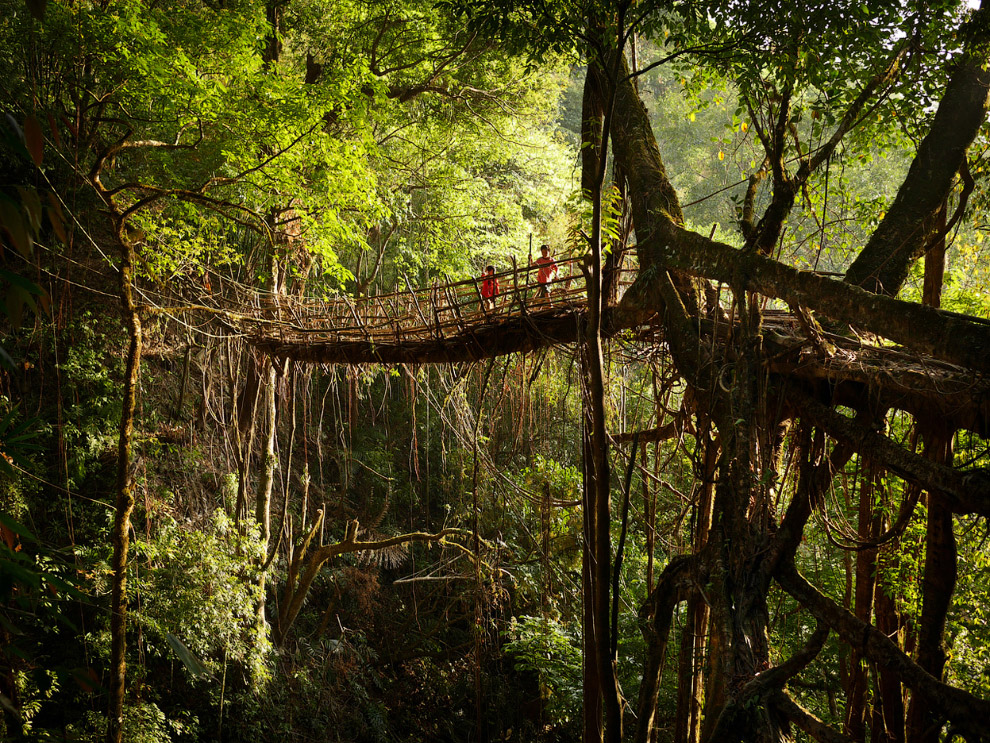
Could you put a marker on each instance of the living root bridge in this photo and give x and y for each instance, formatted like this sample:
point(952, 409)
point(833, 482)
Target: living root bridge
point(889, 376)
point(483, 339)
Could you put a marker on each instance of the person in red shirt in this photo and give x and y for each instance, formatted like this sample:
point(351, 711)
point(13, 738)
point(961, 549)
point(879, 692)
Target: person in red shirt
point(546, 274)
point(489, 288)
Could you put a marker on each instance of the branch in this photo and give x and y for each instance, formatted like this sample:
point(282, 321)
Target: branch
point(681, 576)
point(968, 712)
point(350, 543)
point(216, 181)
point(950, 336)
point(813, 477)
point(217, 205)
point(883, 264)
point(852, 116)
point(765, 235)
point(658, 433)
point(806, 721)
point(96, 172)
point(965, 492)
point(727, 726)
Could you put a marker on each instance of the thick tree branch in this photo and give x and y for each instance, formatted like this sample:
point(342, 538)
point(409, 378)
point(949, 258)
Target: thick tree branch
point(968, 712)
point(804, 720)
point(664, 244)
point(730, 725)
point(950, 336)
point(906, 229)
point(764, 236)
point(965, 492)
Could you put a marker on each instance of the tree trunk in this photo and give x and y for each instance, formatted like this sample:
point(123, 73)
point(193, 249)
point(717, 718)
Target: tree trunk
point(690, 696)
point(591, 684)
point(124, 503)
point(888, 713)
point(596, 117)
point(599, 497)
point(263, 499)
point(938, 583)
point(866, 573)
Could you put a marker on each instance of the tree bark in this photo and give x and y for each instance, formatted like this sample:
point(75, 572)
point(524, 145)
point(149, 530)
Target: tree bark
point(124, 501)
point(591, 684)
point(866, 575)
point(962, 492)
point(938, 583)
point(690, 690)
point(597, 111)
point(906, 229)
point(888, 713)
point(739, 577)
point(263, 498)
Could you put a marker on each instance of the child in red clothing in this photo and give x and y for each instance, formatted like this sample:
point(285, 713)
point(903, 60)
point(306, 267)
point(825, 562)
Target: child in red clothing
point(489, 288)
point(546, 274)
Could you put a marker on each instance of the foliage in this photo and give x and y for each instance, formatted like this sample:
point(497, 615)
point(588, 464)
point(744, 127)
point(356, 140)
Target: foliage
point(347, 146)
point(543, 647)
point(969, 652)
point(201, 586)
point(144, 722)
point(36, 586)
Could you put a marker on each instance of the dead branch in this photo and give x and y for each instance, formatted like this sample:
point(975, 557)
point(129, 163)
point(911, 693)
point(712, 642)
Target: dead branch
point(296, 589)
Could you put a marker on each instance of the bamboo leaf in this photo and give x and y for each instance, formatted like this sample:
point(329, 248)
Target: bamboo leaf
point(13, 225)
point(33, 138)
point(190, 661)
point(9, 706)
point(55, 218)
point(32, 205)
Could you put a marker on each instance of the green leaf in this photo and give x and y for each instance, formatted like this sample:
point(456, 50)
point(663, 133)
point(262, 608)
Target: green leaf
point(19, 529)
point(190, 661)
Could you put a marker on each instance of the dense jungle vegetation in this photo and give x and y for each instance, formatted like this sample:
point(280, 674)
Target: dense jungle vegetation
point(737, 493)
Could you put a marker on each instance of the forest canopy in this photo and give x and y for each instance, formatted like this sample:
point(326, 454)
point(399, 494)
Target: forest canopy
point(700, 457)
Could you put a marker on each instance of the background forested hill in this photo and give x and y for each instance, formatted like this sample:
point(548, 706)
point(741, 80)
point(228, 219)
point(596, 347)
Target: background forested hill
point(199, 541)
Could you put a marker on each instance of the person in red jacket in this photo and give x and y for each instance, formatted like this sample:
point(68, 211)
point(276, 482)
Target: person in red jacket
point(546, 274)
point(489, 288)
